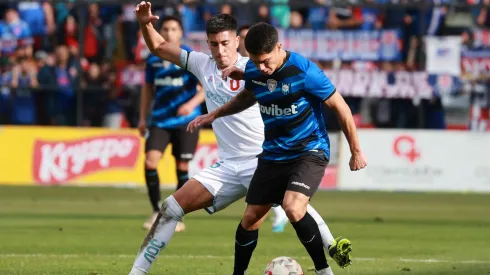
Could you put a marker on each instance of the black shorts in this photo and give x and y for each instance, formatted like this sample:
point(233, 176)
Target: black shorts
point(271, 178)
point(183, 143)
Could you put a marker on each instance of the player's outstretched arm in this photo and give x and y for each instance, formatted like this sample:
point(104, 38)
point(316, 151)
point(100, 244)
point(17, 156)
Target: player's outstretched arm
point(346, 121)
point(145, 99)
point(155, 42)
point(242, 101)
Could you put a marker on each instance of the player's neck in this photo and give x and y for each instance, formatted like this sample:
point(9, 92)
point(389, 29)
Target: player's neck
point(284, 59)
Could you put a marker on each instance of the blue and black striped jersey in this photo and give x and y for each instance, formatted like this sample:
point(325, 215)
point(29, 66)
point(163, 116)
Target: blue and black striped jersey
point(174, 86)
point(291, 102)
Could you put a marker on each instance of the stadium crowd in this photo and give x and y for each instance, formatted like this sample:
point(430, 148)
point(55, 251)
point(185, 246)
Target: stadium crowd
point(71, 64)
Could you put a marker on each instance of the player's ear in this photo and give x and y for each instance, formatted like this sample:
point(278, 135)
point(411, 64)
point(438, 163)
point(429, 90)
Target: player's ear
point(278, 47)
point(237, 41)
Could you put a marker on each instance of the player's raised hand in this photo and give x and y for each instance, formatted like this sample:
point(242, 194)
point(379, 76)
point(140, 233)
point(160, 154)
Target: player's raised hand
point(143, 13)
point(200, 121)
point(233, 72)
point(357, 162)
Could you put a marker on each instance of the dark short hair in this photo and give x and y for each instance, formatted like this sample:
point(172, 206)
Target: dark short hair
point(171, 18)
point(261, 39)
point(220, 23)
point(244, 27)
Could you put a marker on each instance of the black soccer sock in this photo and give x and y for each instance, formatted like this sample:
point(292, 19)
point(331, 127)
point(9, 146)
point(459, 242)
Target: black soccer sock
point(245, 243)
point(309, 235)
point(182, 178)
point(153, 185)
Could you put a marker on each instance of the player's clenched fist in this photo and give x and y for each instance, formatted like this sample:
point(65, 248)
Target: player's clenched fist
point(357, 162)
point(143, 13)
point(200, 121)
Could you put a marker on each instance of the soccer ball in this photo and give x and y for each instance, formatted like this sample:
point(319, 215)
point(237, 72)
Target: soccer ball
point(283, 266)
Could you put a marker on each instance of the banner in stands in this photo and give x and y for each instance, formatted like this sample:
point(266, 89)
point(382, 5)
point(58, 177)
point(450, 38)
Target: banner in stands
point(475, 55)
point(329, 45)
point(443, 55)
point(93, 157)
point(419, 161)
point(86, 156)
point(399, 84)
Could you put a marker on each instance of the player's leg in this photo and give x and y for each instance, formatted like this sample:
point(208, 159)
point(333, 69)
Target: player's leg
point(246, 171)
point(191, 197)
point(264, 191)
point(280, 219)
point(305, 175)
point(247, 234)
point(155, 145)
point(327, 237)
point(214, 188)
point(183, 148)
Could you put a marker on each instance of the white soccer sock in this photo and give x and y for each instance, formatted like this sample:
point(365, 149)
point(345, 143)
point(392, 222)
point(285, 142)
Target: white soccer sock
point(158, 237)
point(278, 214)
point(327, 237)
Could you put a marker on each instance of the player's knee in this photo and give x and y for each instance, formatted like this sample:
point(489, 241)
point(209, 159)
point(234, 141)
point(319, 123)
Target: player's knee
point(171, 209)
point(151, 163)
point(250, 221)
point(183, 165)
point(295, 210)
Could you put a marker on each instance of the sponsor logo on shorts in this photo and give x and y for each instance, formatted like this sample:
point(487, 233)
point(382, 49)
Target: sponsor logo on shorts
point(300, 184)
point(63, 160)
point(186, 156)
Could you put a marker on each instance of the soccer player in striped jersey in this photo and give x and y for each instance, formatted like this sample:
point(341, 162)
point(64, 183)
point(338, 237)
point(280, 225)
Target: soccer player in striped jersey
point(291, 92)
point(177, 99)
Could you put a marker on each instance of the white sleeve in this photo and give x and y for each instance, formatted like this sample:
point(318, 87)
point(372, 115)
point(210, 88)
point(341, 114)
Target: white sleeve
point(193, 62)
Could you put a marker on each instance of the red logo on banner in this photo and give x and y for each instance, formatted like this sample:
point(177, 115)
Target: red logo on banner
point(60, 161)
point(404, 146)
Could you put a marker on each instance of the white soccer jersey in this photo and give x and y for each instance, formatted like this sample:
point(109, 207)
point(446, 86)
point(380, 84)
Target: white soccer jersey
point(239, 136)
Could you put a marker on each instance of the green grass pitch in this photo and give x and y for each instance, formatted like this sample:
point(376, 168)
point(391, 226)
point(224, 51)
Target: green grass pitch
point(88, 231)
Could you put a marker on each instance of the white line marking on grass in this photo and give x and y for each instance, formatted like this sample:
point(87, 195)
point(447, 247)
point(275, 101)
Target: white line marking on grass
point(167, 256)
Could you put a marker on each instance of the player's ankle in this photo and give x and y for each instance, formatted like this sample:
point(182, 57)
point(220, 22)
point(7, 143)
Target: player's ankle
point(136, 271)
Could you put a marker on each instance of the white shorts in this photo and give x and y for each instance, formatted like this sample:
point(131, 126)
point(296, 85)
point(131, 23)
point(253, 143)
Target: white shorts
point(228, 181)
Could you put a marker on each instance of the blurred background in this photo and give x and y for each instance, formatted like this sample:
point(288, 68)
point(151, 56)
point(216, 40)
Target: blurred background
point(78, 63)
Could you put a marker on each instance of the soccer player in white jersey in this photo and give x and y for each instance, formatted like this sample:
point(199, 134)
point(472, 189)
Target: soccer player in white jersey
point(239, 136)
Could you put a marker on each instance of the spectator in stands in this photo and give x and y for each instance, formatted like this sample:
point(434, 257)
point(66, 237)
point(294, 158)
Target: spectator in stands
point(348, 18)
point(242, 32)
point(95, 87)
point(14, 33)
point(280, 13)
point(371, 17)
point(24, 103)
point(483, 18)
point(263, 15)
point(39, 15)
point(66, 77)
point(318, 16)
point(94, 39)
point(296, 20)
point(5, 81)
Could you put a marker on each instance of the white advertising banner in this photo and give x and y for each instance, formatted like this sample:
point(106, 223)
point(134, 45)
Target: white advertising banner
point(443, 55)
point(418, 160)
